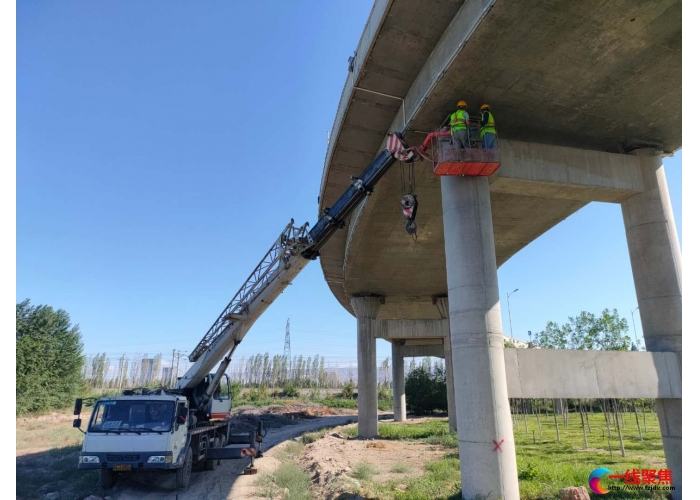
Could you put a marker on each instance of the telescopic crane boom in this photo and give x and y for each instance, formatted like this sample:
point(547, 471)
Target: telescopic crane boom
point(286, 258)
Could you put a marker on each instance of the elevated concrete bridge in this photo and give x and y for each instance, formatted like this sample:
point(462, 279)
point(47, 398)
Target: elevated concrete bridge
point(587, 97)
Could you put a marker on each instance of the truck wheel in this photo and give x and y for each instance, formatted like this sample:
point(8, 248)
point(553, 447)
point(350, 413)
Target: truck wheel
point(183, 473)
point(211, 464)
point(107, 478)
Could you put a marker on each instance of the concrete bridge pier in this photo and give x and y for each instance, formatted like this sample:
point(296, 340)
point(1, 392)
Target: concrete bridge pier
point(656, 261)
point(443, 306)
point(484, 426)
point(366, 309)
point(399, 382)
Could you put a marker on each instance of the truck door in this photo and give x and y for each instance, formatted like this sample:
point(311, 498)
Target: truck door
point(221, 400)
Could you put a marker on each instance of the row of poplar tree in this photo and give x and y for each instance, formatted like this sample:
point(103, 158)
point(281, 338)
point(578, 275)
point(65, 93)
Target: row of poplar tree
point(51, 369)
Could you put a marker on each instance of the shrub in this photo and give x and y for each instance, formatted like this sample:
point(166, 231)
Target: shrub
point(401, 468)
point(364, 471)
point(426, 391)
point(235, 391)
point(291, 477)
point(259, 394)
point(529, 471)
point(289, 391)
point(384, 394)
point(348, 391)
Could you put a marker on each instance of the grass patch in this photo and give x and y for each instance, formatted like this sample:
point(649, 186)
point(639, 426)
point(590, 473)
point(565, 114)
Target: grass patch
point(384, 405)
point(47, 435)
point(310, 437)
point(440, 481)
point(339, 403)
point(289, 476)
point(364, 471)
point(258, 401)
point(400, 468)
point(432, 432)
point(544, 466)
point(290, 451)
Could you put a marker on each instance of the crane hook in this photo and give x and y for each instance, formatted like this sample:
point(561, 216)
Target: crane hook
point(409, 204)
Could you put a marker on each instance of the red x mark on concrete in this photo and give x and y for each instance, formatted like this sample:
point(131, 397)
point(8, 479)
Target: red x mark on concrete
point(498, 445)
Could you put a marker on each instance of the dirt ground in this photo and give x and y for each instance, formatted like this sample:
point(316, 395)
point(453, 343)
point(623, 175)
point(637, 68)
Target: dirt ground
point(331, 460)
point(227, 482)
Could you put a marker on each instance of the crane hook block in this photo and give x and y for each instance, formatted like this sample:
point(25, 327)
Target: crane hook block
point(409, 205)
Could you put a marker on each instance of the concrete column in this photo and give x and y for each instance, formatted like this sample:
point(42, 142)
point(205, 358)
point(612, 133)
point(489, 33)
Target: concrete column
point(484, 426)
point(399, 382)
point(443, 307)
point(366, 309)
point(655, 256)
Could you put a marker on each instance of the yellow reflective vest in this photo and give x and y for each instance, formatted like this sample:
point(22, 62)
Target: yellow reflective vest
point(490, 126)
point(459, 119)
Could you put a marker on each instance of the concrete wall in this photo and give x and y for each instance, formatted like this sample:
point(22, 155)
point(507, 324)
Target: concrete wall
point(548, 373)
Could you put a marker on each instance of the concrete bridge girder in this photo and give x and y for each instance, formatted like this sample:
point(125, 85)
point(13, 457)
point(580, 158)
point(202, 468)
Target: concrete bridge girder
point(559, 85)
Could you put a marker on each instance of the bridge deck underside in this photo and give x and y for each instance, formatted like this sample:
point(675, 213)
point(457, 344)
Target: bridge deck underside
point(601, 75)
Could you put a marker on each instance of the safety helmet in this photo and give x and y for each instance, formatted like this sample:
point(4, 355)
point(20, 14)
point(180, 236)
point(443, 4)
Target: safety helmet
point(483, 107)
point(462, 103)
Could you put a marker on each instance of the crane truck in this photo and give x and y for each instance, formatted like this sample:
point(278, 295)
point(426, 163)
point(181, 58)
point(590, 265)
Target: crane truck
point(190, 425)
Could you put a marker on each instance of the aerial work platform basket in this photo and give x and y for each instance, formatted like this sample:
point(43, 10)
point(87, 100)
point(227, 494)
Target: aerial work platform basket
point(448, 159)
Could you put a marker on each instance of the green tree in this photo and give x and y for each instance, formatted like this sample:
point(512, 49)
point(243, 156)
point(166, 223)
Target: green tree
point(553, 336)
point(426, 390)
point(608, 332)
point(613, 332)
point(49, 358)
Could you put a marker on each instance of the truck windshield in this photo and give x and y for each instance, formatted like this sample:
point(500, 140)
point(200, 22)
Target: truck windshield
point(132, 415)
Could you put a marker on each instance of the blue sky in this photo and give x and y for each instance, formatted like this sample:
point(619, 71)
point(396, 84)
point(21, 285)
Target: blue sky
point(161, 148)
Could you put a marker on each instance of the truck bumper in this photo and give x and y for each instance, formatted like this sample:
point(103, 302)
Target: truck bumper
point(127, 461)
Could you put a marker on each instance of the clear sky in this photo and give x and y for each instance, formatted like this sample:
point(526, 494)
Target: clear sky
point(162, 147)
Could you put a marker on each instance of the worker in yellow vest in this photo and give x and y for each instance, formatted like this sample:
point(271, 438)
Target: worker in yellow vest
point(459, 125)
point(488, 128)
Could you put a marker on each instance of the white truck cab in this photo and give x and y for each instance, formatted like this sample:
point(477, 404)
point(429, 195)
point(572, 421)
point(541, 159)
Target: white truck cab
point(160, 429)
point(128, 433)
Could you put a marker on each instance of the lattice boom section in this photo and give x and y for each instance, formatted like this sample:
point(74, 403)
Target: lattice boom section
point(291, 242)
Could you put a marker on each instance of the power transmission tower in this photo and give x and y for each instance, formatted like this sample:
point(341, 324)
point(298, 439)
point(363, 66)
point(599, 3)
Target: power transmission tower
point(287, 346)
